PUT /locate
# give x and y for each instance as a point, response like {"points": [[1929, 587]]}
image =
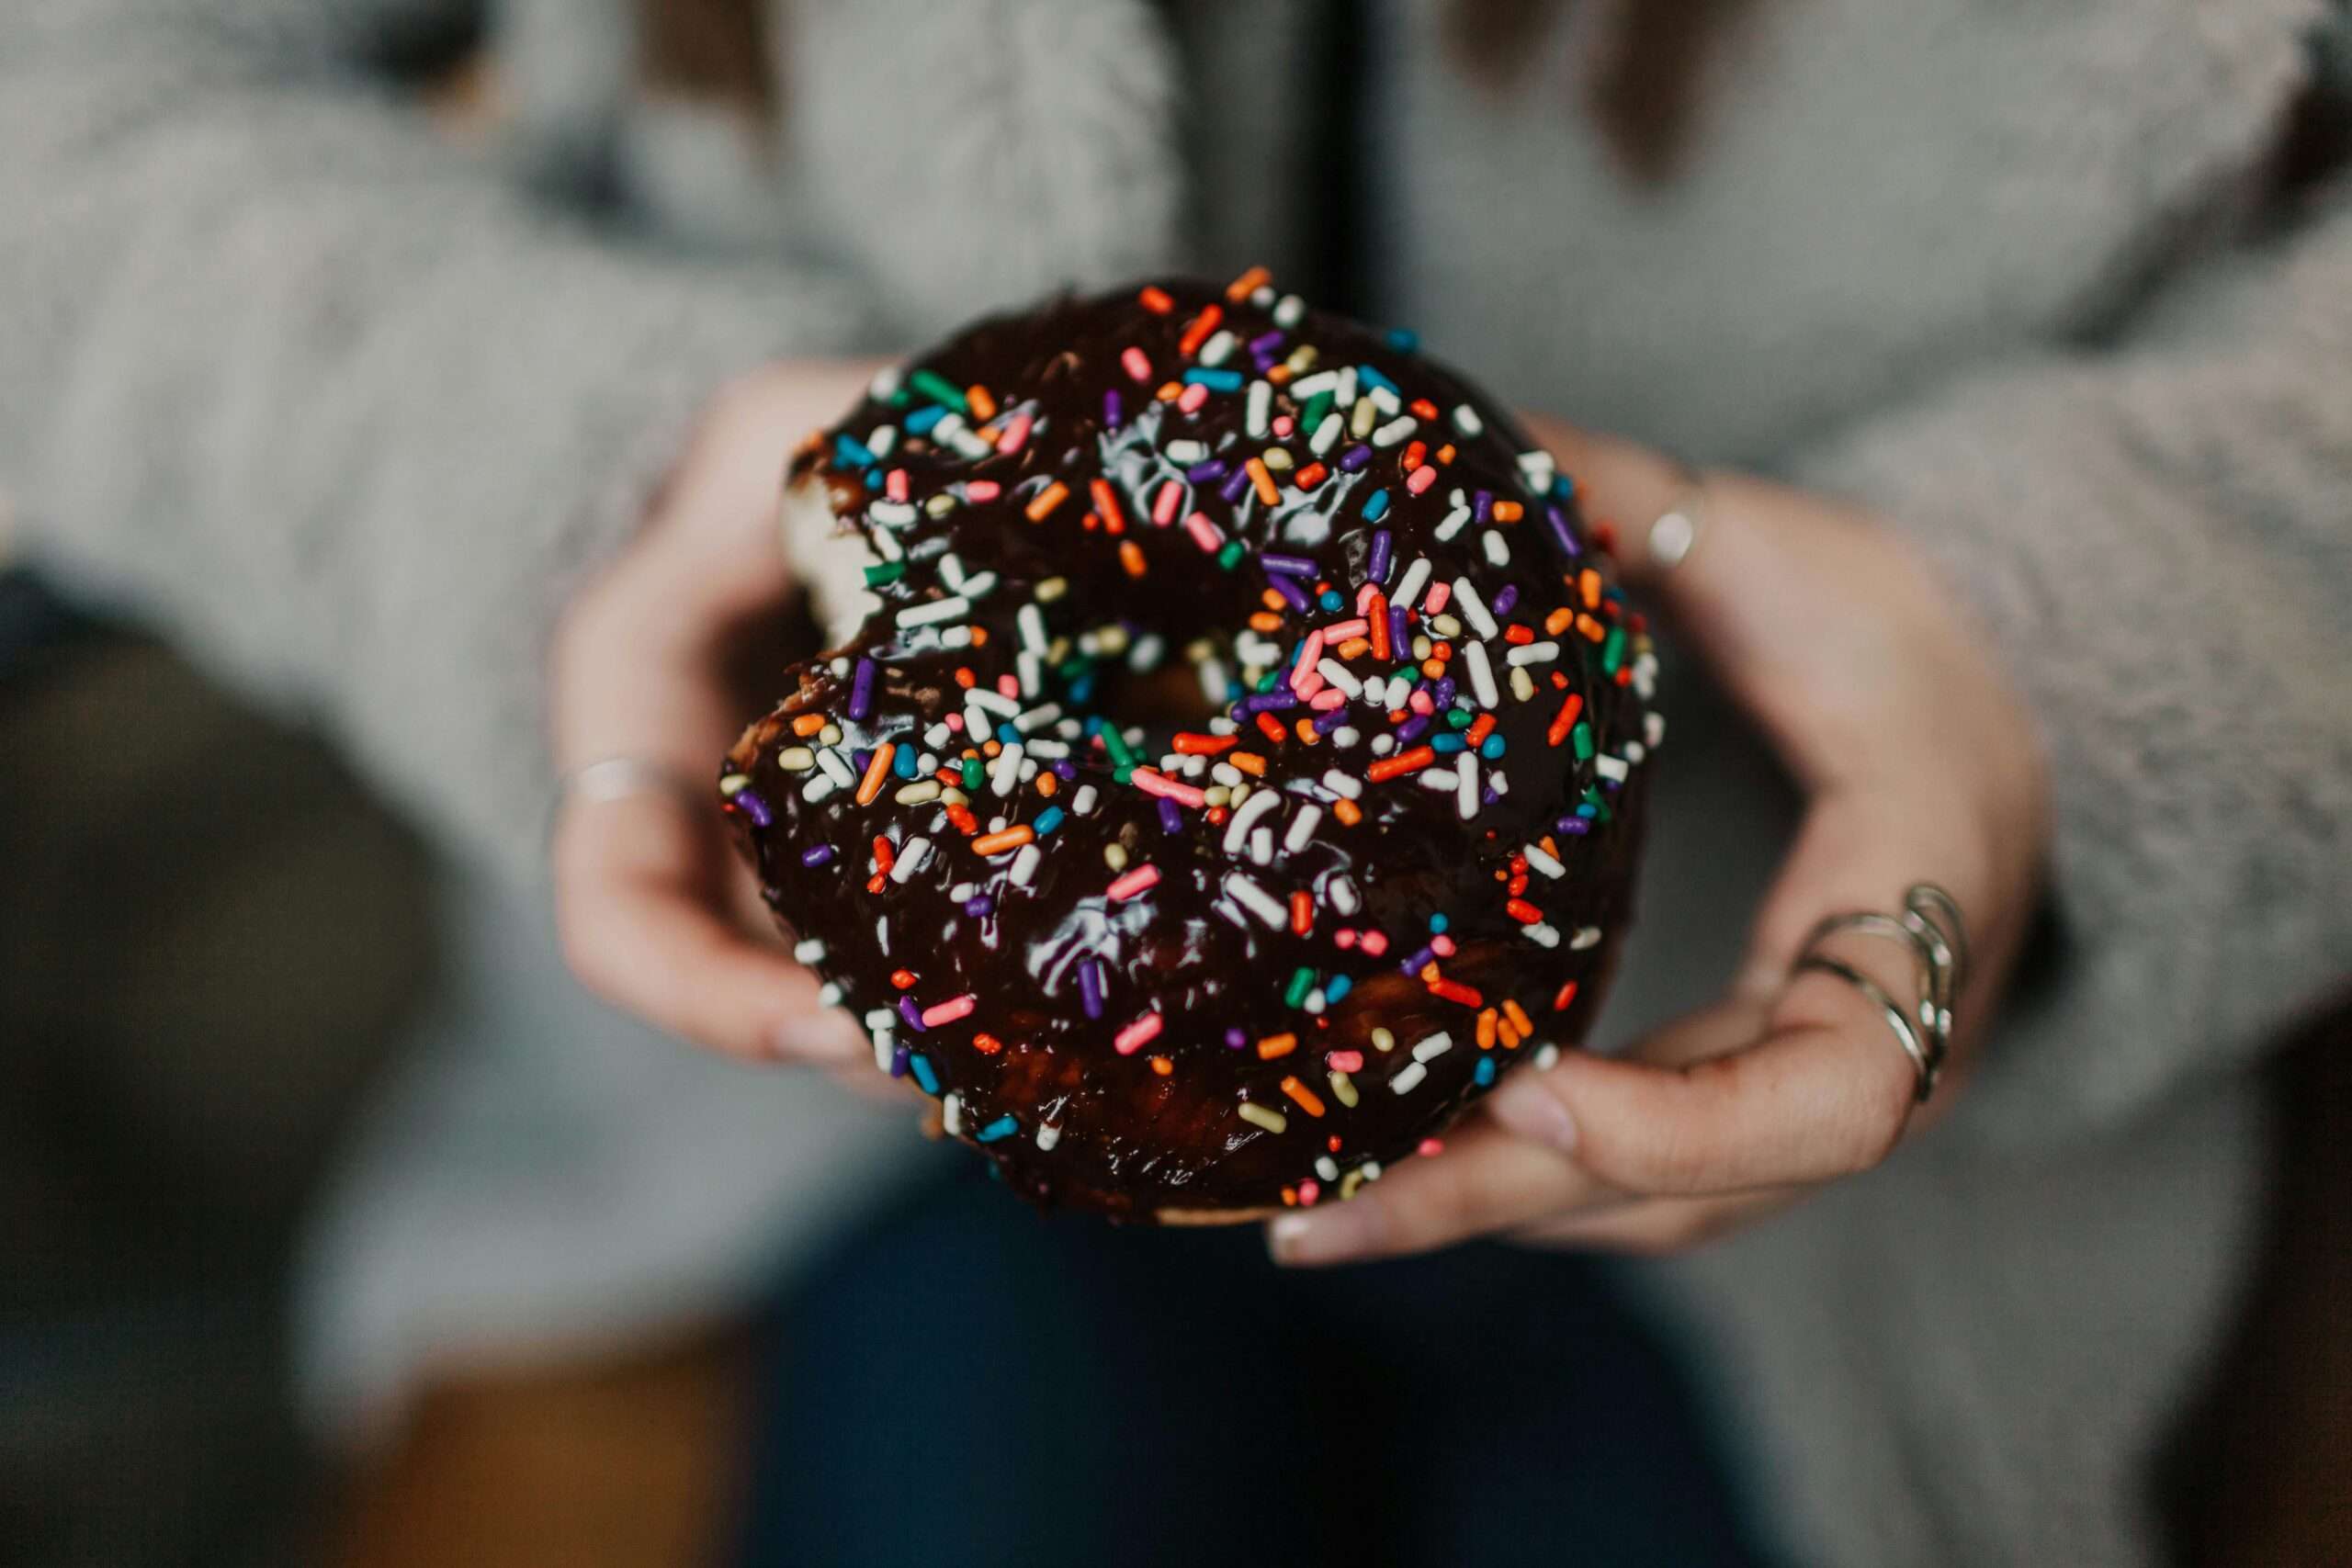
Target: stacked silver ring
{"points": [[1930, 928]]}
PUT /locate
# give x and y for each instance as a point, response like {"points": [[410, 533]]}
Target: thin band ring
{"points": [[1927, 1063], [1931, 929], [618, 778]]}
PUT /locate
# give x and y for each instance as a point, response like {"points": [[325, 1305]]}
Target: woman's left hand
{"points": [[1918, 764]]}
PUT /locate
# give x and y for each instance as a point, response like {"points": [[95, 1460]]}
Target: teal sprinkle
{"points": [[1006, 734], [1580, 742], [888, 571], [920, 422], [1588, 810], [938, 390], [1339, 985], [1438, 924], [852, 453], [1215, 381], [1484, 1072], [1446, 745], [1229, 555], [903, 762], [1332, 599], [920, 1067], [1372, 378], [1404, 341], [1002, 1127], [1049, 820], [1376, 507], [1491, 748], [1301, 982]]}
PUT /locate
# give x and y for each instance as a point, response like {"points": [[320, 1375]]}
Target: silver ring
{"points": [[1931, 930], [618, 778]]}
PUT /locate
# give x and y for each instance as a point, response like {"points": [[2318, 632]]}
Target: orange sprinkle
{"points": [[1566, 719], [1347, 812], [1403, 762], [1558, 621], [1271, 600], [965, 678], [965, 823], [1265, 621], [1422, 407], [1589, 585], [1303, 1097], [1445, 455], [1249, 762], [1275, 1045], [1271, 727], [1045, 501], [1353, 648], [983, 405], [1590, 629], [1517, 1016], [1487, 1020], [987, 1044], [1263, 480], [1162, 1066], [1508, 511], [1302, 913], [1376, 613], [1248, 283], [1047, 782], [1509, 1034], [1454, 991], [807, 723], [1196, 331], [1000, 843], [979, 636], [1131, 556], [878, 770], [1192, 743], [1304, 728], [1155, 299], [1106, 501]]}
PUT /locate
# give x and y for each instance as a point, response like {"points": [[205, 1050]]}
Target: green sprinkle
{"points": [[1301, 982], [888, 571], [1457, 718], [1613, 650], [940, 389], [1581, 741], [1123, 772], [1117, 747], [1310, 419], [973, 773], [1228, 556]]}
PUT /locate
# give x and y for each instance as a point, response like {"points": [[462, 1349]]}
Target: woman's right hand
{"points": [[657, 912]]}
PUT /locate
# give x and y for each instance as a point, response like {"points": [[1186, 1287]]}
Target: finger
{"points": [[1486, 1180], [1652, 1227], [640, 926]]}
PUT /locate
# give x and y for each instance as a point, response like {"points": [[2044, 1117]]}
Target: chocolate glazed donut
{"points": [[1239, 766]]}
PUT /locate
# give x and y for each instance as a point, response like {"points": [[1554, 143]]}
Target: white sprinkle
{"points": [[1497, 550], [1585, 937], [1048, 1135], [809, 949], [1384, 399], [1038, 717], [829, 995], [1344, 394], [911, 859], [1654, 728], [1533, 653], [1395, 429], [1346, 786], [1429, 1048], [1327, 1167], [1466, 420], [885, 384], [1409, 586], [1257, 901], [1482, 675], [1032, 672], [993, 701], [954, 607], [1215, 352], [1262, 846], [1466, 799], [1331, 669], [1474, 607], [1543, 862], [1026, 863], [1345, 737], [1612, 768], [886, 545], [1407, 1081], [1083, 801], [884, 1045], [1307, 387], [1302, 826], [1238, 825], [836, 767], [1005, 771], [1547, 1057], [1261, 398], [1542, 934], [817, 787], [1342, 893], [1453, 523], [1288, 311], [1186, 452], [1326, 434], [890, 512], [980, 585], [937, 736], [951, 571], [950, 1113]]}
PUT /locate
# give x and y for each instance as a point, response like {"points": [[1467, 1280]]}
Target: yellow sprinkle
{"points": [[1271, 1121], [1344, 1089]]}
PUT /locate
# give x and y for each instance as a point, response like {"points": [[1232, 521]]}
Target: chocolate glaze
{"points": [[1132, 1134]]}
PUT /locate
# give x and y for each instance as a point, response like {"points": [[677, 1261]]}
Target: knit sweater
{"points": [[349, 409]]}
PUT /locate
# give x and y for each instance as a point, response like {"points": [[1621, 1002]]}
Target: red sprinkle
{"points": [[1403, 762]]}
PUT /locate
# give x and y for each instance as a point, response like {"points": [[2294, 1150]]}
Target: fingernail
{"points": [[1308, 1239], [829, 1036], [1534, 1112]]}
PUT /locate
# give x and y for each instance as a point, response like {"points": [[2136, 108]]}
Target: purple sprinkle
{"points": [[858, 758], [1065, 770], [1235, 1039], [1289, 590], [1505, 598], [1560, 533], [1443, 693], [1090, 986], [1276, 701], [1263, 360], [1354, 458], [1236, 484], [1266, 343], [980, 905], [1482, 506], [1171, 818], [1330, 719], [817, 854], [1293, 565], [1573, 826], [1487, 796], [861, 690], [1381, 548], [912, 1013], [1112, 409], [1412, 965], [1202, 473], [756, 809], [1395, 626], [1412, 729]]}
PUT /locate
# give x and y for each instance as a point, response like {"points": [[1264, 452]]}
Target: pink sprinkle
{"points": [[1305, 679], [1190, 399], [895, 486], [1420, 479], [1308, 1191], [948, 1011], [1346, 1061], [1442, 945], [1327, 699], [1419, 703], [1016, 433], [1134, 882], [1138, 366], [1205, 533], [1340, 631], [1434, 600], [954, 721], [1345, 936], [1375, 942], [1430, 1147], [1134, 1037], [1164, 505], [1284, 425], [1008, 685], [1363, 598], [1152, 782]]}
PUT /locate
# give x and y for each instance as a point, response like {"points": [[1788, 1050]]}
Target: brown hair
{"points": [[1643, 91]]}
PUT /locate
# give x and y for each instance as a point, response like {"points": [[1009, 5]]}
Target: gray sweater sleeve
{"points": [[2159, 540], [325, 397]]}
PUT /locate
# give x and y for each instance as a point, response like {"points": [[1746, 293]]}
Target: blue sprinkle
{"points": [[1006, 733], [1049, 820], [1215, 381], [1447, 744], [1484, 1072], [1491, 748], [1437, 923], [851, 453], [1372, 378], [899, 1061], [923, 1075], [920, 422], [1337, 986], [1330, 599], [1002, 1127], [1404, 340], [1377, 507], [903, 762]]}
